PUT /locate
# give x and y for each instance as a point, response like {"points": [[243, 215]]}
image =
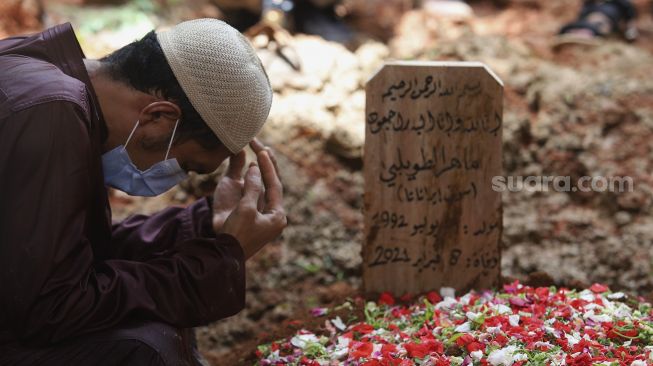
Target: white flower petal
{"points": [[513, 320], [520, 357], [447, 303], [465, 299], [573, 339], [343, 342], [587, 295], [473, 316], [302, 340], [338, 323], [503, 309], [464, 327], [503, 356], [494, 330], [477, 355], [616, 296], [543, 344], [339, 353], [598, 318]]}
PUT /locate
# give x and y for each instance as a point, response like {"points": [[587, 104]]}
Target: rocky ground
{"points": [[575, 111]]}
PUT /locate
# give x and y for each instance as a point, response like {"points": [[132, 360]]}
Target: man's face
{"points": [[193, 157], [190, 155], [159, 122]]}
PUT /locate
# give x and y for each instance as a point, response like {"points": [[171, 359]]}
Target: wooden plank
{"points": [[433, 144]]}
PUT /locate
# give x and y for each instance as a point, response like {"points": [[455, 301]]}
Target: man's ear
{"points": [[158, 112], [157, 120]]}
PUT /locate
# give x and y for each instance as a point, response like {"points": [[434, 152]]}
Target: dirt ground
{"points": [[575, 111]]}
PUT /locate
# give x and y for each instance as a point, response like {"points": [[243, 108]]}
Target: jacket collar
{"points": [[67, 54]]}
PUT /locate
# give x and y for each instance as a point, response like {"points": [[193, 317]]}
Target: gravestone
{"points": [[432, 147]]}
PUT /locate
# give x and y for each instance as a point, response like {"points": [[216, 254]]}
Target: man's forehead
{"points": [[194, 157]]}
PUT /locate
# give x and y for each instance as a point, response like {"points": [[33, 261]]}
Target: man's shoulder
{"points": [[26, 82]]}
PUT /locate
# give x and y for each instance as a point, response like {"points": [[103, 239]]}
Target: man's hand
{"points": [[258, 147], [229, 191], [258, 217]]}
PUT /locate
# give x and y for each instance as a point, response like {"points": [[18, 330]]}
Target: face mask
{"points": [[122, 174]]}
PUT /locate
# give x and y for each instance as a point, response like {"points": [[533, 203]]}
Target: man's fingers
{"points": [[256, 146], [253, 187], [273, 187], [274, 159], [236, 164]]}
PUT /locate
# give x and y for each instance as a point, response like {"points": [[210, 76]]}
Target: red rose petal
{"points": [[388, 349], [386, 299], [598, 288], [363, 328], [475, 346], [416, 350], [465, 339], [361, 349], [433, 297]]}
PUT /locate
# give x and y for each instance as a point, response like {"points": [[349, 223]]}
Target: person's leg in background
{"points": [[319, 17], [601, 19]]}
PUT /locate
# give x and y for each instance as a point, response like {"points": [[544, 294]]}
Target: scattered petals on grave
{"points": [[518, 326]]}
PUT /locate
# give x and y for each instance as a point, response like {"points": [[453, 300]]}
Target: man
{"points": [[76, 290]]}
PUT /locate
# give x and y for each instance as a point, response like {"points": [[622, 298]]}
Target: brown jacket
{"points": [[64, 269]]}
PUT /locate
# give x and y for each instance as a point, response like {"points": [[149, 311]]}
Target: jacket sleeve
{"points": [[52, 286], [139, 237]]}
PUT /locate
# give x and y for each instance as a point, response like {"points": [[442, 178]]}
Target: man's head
{"points": [[202, 73]]}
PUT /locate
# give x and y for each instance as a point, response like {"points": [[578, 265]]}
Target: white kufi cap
{"points": [[222, 77]]}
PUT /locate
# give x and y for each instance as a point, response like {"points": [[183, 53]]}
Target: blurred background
{"points": [[571, 109]]}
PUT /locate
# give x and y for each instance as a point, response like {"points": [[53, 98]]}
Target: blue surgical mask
{"points": [[122, 174]]}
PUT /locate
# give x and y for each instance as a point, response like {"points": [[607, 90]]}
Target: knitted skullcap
{"points": [[223, 78]]}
